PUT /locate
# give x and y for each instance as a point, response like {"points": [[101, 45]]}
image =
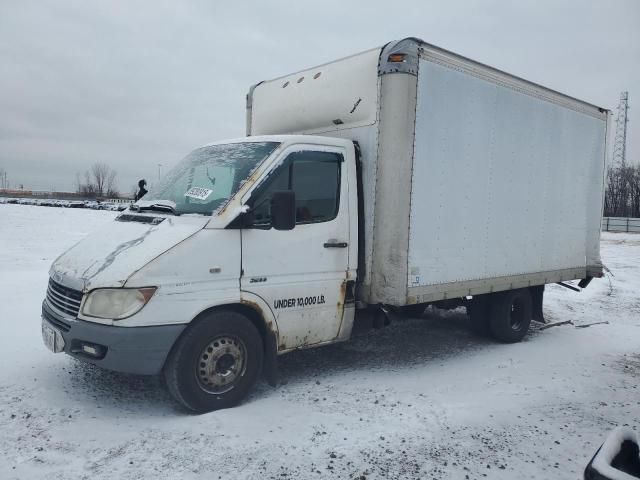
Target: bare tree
{"points": [[622, 196], [86, 188], [111, 186], [634, 192], [99, 181], [103, 178]]}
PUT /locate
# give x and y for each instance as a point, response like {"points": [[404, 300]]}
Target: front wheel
{"points": [[215, 362]]}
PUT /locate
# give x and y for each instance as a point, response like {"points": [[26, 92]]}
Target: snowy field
{"points": [[422, 398]]}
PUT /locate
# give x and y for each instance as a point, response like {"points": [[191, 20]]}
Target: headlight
{"points": [[116, 303]]}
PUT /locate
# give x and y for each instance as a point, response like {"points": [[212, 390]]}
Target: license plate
{"points": [[52, 338]]}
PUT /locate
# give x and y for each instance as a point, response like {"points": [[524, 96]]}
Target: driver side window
{"points": [[315, 179]]}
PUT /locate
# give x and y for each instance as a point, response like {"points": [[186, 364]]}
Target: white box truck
{"points": [[399, 177]]}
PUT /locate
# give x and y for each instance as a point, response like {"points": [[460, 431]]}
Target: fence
{"points": [[621, 224]]}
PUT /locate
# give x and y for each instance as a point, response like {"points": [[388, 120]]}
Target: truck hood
{"points": [[110, 255]]}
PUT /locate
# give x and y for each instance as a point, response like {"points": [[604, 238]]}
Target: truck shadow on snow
{"points": [[405, 344]]}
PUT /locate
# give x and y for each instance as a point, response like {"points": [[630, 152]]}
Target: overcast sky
{"points": [[141, 83]]}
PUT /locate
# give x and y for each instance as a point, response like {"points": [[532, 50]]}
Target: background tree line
{"points": [[622, 195], [98, 181]]}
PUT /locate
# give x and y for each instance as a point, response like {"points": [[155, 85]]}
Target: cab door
{"points": [[301, 273]]}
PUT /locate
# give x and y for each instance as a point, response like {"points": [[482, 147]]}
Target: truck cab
{"points": [[262, 229]]}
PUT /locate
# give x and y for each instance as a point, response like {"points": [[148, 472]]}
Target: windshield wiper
{"points": [[158, 207]]}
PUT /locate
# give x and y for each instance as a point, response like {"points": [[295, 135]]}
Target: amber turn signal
{"points": [[397, 57]]}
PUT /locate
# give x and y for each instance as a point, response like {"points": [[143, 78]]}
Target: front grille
{"points": [[65, 299]]}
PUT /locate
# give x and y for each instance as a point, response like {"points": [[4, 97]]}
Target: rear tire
{"points": [[215, 363], [510, 315]]}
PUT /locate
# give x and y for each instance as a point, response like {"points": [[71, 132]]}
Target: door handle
{"points": [[334, 244]]}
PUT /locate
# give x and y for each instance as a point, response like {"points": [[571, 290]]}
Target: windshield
{"points": [[209, 176]]}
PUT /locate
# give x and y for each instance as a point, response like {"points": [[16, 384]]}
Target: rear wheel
{"points": [[510, 315], [215, 363]]}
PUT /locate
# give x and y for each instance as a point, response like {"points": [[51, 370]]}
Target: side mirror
{"points": [[283, 210]]}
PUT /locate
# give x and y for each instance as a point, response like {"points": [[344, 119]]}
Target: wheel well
{"points": [[251, 313], [256, 318], [269, 339]]}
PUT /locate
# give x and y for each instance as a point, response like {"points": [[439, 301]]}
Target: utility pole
{"points": [[620, 140]]}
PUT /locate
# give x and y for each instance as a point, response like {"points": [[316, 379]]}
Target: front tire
{"points": [[510, 314], [215, 363]]}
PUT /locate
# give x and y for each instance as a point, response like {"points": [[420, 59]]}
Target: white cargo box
{"points": [[474, 180]]}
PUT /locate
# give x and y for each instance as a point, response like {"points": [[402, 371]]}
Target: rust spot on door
{"points": [[341, 297]]}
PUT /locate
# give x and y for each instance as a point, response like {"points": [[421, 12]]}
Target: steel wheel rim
{"points": [[221, 363]]}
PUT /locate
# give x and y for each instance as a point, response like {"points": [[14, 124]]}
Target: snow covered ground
{"points": [[422, 398]]}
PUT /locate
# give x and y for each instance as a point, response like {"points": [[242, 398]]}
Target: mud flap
{"points": [[381, 317], [537, 293], [584, 283], [270, 367]]}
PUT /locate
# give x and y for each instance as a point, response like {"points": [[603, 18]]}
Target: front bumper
{"points": [[138, 350]]}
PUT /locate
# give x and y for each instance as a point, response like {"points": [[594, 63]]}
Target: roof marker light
{"points": [[397, 57]]}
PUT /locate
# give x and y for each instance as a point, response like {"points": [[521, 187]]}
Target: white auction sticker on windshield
{"points": [[198, 193]]}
